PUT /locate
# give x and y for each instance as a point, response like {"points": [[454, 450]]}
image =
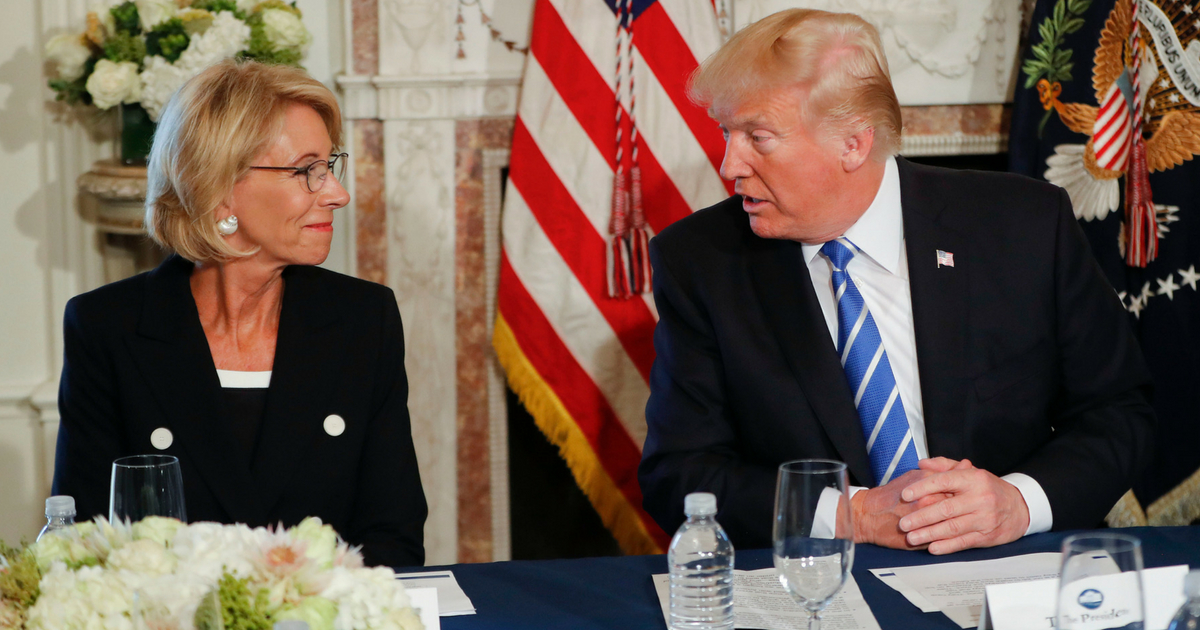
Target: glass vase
{"points": [[137, 133]]}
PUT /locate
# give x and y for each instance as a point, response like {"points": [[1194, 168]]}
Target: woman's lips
{"points": [[320, 227]]}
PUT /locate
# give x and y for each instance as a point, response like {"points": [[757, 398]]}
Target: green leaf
{"points": [[1078, 7], [168, 40], [1045, 30], [1031, 81], [1061, 56], [1042, 52], [124, 46], [125, 17], [1072, 25], [1060, 11]]}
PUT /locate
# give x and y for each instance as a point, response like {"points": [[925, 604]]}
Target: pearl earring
{"points": [[228, 225]]}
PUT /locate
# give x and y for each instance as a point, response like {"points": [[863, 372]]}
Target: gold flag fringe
{"points": [[552, 418]]}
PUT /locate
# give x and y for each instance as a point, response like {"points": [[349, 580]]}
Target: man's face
{"points": [[789, 175]]}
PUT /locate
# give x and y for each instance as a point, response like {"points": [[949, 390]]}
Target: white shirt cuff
{"points": [[1041, 519], [825, 520]]}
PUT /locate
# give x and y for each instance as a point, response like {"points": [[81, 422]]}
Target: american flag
{"points": [[1112, 132], [579, 359], [945, 259]]}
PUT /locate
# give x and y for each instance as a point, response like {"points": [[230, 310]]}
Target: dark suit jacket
{"points": [[136, 359], [1025, 356]]}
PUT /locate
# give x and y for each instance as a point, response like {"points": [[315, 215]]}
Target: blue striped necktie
{"points": [[876, 396]]}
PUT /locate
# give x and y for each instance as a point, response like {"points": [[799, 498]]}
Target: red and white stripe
{"points": [[1112, 131], [591, 351]]}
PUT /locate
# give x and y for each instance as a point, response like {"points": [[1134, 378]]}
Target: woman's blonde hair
{"points": [[208, 135], [835, 59]]}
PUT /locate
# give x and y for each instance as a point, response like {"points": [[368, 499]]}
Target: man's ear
{"points": [[856, 149]]}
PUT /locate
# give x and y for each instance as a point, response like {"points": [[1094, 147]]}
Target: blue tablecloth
{"points": [[617, 594]]}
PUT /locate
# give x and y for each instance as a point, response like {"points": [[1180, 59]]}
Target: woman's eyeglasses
{"points": [[316, 173]]}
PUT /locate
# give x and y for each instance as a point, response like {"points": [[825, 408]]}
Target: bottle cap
{"points": [[291, 624], [1191, 584], [700, 504], [60, 506]]}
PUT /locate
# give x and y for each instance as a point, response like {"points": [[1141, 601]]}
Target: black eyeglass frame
{"points": [[330, 165]]}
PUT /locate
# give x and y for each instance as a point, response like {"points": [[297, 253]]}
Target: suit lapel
{"points": [[306, 356], [174, 359], [939, 302], [790, 306]]}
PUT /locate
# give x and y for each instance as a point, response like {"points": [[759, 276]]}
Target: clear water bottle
{"points": [[701, 563], [60, 514], [1188, 617]]}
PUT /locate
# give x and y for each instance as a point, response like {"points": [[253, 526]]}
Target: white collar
{"points": [[879, 232]]}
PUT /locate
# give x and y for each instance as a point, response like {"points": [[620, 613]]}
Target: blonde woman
{"points": [[280, 386]]}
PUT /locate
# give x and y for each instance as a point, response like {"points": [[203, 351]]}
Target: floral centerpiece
{"points": [[136, 53], [160, 574]]}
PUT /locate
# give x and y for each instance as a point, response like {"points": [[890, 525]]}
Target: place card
{"points": [[425, 600], [451, 598], [1026, 605]]}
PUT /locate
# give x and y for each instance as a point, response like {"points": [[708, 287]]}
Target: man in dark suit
{"points": [[946, 334]]}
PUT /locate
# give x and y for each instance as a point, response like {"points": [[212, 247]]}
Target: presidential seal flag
{"points": [[1108, 107], [607, 151]]}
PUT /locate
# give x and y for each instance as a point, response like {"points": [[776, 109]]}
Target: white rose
{"points": [[322, 540], [69, 53], [284, 30], [153, 12], [112, 83], [144, 557], [157, 528], [103, 10]]}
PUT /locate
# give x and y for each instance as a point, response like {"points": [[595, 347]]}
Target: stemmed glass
{"points": [[1101, 583], [146, 485], [813, 534]]}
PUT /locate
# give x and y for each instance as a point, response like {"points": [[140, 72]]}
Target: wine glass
{"points": [[146, 485], [813, 534], [1101, 582]]}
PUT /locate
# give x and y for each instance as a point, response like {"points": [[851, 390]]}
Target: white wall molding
{"points": [[953, 144], [432, 97]]}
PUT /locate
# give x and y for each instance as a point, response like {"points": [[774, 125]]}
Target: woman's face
{"points": [[275, 210]]}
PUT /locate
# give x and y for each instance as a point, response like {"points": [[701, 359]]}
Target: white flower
{"points": [[225, 38], [112, 83], [153, 12], [247, 6], [366, 598], [160, 79], [322, 540], [103, 11], [69, 53], [284, 30], [145, 557], [157, 528]]}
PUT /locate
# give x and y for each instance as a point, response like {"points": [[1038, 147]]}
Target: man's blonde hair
{"points": [[835, 59], [208, 135]]}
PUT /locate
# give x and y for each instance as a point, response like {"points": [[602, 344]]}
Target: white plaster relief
{"points": [[493, 161], [430, 98], [416, 37], [939, 51], [419, 158]]}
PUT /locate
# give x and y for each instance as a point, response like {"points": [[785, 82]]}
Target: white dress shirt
{"points": [[880, 271]]}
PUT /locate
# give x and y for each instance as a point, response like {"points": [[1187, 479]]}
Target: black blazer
{"points": [[136, 359], [1026, 359]]}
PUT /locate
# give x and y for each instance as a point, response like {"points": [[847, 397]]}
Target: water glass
{"points": [[813, 548], [146, 485], [1101, 583]]}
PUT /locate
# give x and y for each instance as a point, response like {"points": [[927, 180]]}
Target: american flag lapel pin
{"points": [[945, 259]]}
